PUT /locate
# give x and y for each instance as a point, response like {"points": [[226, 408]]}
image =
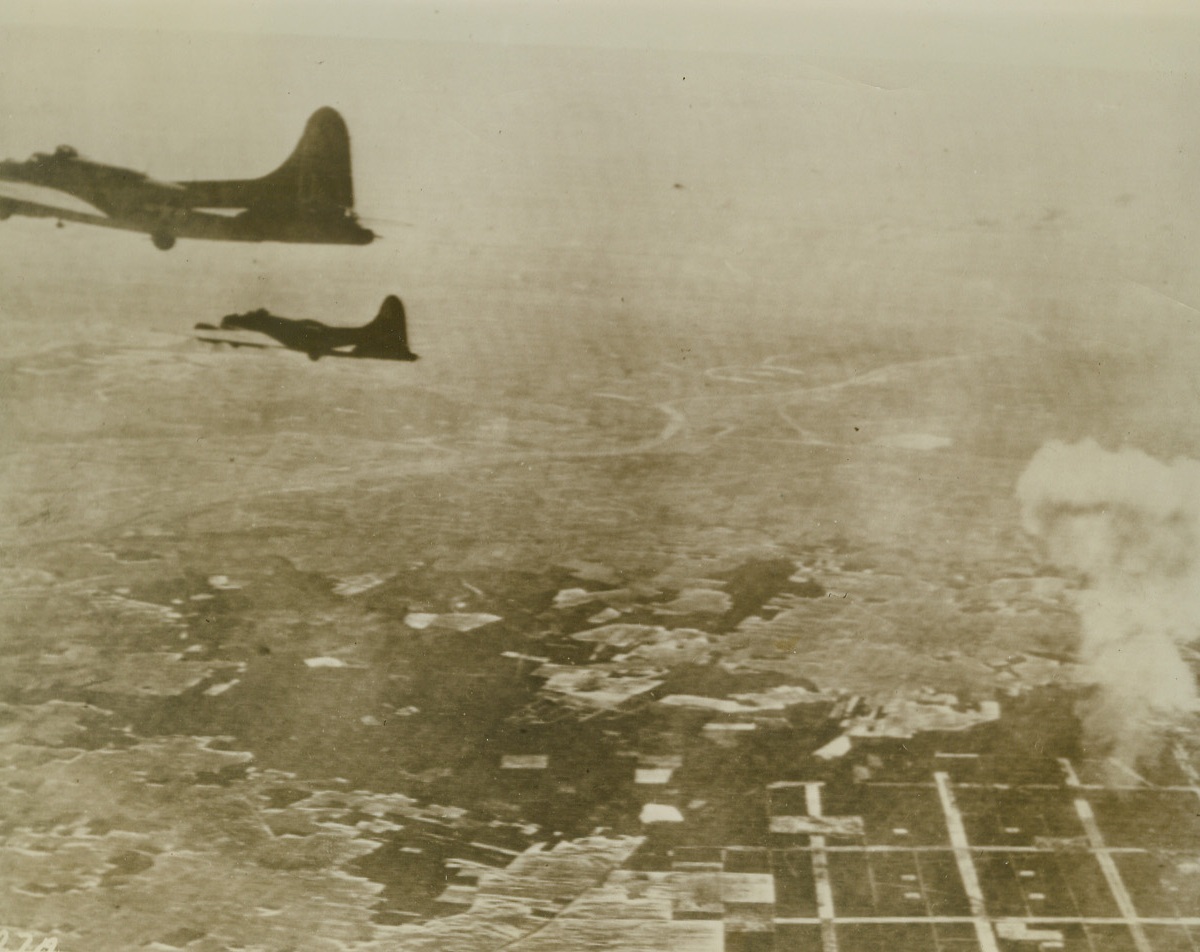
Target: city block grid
{"points": [[956, 852]]}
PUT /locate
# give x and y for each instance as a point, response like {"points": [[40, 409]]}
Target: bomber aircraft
{"points": [[309, 198], [385, 338]]}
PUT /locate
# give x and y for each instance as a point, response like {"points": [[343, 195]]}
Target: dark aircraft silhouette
{"points": [[385, 338], [310, 198]]}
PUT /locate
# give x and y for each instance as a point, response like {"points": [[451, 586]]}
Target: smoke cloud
{"points": [[1130, 525]]}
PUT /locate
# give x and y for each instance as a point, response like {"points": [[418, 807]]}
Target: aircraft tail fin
{"points": [[318, 170], [316, 174], [387, 334]]}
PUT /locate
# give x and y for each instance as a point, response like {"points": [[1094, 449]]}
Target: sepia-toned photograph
{"points": [[599, 476]]}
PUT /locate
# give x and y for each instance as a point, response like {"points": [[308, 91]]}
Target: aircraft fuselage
{"points": [[309, 336], [308, 199], [384, 338]]}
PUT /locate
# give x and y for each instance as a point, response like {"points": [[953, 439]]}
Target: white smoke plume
{"points": [[1130, 525]]}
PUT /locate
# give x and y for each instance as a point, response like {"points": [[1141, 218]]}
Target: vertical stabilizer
{"points": [[315, 177], [387, 335], [318, 170]]}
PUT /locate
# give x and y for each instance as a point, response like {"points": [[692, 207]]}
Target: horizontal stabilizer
{"points": [[316, 175]]}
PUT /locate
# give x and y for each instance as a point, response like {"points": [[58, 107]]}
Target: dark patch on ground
{"points": [[181, 937], [752, 585], [126, 863]]}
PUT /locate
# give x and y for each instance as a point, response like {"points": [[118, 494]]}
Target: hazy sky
{"points": [[706, 24]]}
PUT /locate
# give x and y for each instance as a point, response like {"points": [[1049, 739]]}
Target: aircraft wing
{"points": [[254, 345], [17, 206], [241, 343]]}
